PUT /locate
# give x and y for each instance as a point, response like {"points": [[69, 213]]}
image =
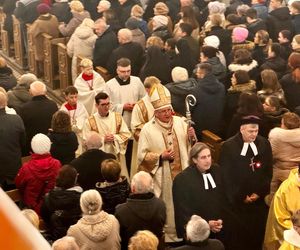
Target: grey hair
{"points": [[65, 243], [93, 141], [38, 88], [27, 79], [90, 202], [195, 150], [125, 34], [197, 229], [142, 183], [105, 4]]}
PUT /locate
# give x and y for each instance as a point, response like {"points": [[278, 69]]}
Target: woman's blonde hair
{"points": [[76, 6], [32, 216], [85, 62], [143, 240]]}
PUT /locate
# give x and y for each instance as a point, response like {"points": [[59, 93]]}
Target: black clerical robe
{"points": [[242, 176], [190, 197]]}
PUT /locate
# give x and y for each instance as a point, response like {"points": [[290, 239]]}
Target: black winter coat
{"points": [[37, 116], [88, 167], [7, 79], [278, 20], [104, 46], [60, 210], [64, 146]]}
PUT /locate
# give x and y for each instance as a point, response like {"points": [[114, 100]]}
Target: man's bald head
{"points": [[38, 88], [124, 36], [93, 141]]}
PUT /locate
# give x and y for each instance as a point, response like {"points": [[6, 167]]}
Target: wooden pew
{"points": [[104, 73], [214, 142], [51, 64], [14, 195], [5, 42], [18, 44], [32, 63], [64, 64]]}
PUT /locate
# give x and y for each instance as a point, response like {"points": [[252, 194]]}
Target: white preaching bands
{"points": [[246, 147], [208, 178]]}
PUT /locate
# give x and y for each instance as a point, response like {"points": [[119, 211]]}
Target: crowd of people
{"points": [[120, 164]]}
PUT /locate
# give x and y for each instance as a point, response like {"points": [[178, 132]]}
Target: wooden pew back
{"points": [[214, 142]]}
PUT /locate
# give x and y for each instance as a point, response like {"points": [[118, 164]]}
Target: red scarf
{"points": [[87, 77], [69, 107]]}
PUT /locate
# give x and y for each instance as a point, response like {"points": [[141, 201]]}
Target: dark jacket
{"points": [[8, 8], [113, 194], [286, 50], [62, 11], [63, 146], [277, 64], [37, 116], [277, 20], [12, 138], [141, 212], [18, 96], [179, 91], [291, 91], [151, 67], [104, 46], [88, 167], [208, 112], [260, 54], [7, 79], [162, 32], [296, 24], [60, 210], [254, 27], [224, 36], [272, 120], [133, 51], [262, 10], [26, 10], [218, 69], [123, 11], [194, 46]]}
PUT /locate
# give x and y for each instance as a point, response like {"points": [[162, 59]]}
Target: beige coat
{"points": [[44, 24], [98, 231]]}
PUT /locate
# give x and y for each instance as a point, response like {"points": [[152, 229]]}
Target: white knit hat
{"points": [[179, 74], [212, 41], [40, 144]]}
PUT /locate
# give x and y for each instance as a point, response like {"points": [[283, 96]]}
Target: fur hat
{"points": [[90, 202], [159, 21], [216, 7], [179, 74], [240, 34], [212, 41], [43, 8], [161, 9], [40, 144]]}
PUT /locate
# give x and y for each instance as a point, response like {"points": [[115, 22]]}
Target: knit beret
{"points": [[240, 34], [43, 8], [212, 41], [40, 144]]}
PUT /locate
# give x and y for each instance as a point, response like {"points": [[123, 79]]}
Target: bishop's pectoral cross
{"points": [[252, 164]]}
